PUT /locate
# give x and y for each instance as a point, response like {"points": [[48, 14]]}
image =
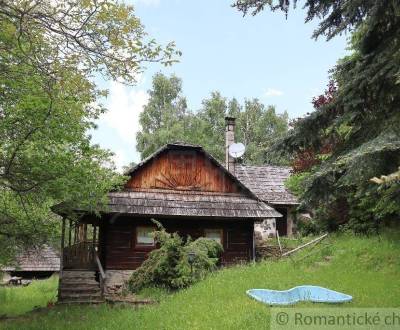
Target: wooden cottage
{"points": [[184, 188]]}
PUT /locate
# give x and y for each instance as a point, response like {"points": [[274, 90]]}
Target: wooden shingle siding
{"points": [[182, 170]]}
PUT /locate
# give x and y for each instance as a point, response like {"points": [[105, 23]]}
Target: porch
{"points": [[82, 275]]}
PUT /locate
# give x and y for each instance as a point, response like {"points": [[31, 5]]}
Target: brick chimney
{"points": [[229, 139]]}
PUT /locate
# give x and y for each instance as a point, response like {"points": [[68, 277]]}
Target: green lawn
{"points": [[18, 300], [366, 268]]}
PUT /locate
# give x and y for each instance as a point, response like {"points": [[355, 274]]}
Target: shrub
{"points": [[308, 227], [169, 267]]}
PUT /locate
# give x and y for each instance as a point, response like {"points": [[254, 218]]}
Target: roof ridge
{"points": [[266, 165]]}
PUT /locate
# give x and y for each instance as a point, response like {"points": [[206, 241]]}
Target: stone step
{"points": [[69, 302]]}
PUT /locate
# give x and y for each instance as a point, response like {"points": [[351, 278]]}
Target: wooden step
{"points": [[73, 283], [78, 273], [79, 286], [67, 291], [81, 296]]}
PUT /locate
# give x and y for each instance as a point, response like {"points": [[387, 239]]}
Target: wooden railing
{"points": [[102, 275], [80, 256]]}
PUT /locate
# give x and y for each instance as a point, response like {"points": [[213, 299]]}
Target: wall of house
{"points": [[120, 250], [121, 254]]}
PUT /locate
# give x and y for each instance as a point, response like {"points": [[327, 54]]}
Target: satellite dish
{"points": [[236, 150]]}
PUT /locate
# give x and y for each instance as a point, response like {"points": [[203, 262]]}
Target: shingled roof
{"points": [[267, 182], [188, 203], [36, 259]]}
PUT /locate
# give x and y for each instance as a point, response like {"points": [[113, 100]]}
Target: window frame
{"points": [[144, 245], [220, 230]]}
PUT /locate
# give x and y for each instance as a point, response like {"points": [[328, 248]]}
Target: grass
{"points": [[19, 300], [292, 242], [366, 268]]}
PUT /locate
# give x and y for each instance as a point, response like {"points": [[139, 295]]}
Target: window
{"points": [[144, 236], [214, 234]]}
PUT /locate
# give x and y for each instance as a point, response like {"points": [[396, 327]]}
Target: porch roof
{"points": [[188, 203]]}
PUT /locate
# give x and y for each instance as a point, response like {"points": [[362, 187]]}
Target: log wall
{"points": [[122, 252]]}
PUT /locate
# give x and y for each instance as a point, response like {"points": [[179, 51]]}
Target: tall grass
{"points": [[18, 299], [366, 268]]}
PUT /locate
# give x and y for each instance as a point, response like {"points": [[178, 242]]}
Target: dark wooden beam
{"points": [[70, 232], [62, 256]]}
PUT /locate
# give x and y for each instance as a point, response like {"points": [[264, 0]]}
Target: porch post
{"points": [[61, 257], [254, 245], [94, 236], [289, 221], [70, 232]]}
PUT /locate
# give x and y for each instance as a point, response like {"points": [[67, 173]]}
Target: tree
{"points": [[163, 118], [360, 122], [49, 51], [92, 36], [259, 127], [337, 16], [166, 119], [210, 125]]}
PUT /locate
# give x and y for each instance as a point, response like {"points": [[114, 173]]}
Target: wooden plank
{"points": [[62, 256], [182, 170], [122, 234], [315, 241], [69, 232], [279, 241]]}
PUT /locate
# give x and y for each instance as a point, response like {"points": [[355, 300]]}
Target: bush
{"points": [[308, 227], [169, 267]]}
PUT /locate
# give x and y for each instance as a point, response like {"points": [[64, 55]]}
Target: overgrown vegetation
{"points": [[366, 268], [169, 266], [353, 134]]}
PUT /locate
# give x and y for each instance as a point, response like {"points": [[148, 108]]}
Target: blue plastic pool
{"points": [[299, 293]]}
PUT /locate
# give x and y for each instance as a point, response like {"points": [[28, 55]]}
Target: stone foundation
{"points": [[115, 280], [265, 229]]}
